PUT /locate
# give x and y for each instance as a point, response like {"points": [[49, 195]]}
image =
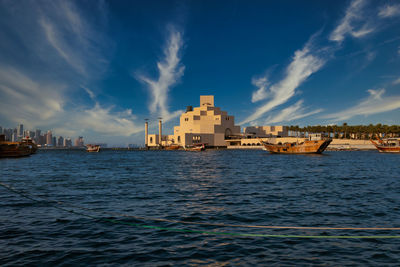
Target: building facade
{"points": [[266, 131], [204, 124]]}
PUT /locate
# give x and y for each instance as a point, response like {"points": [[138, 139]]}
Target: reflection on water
{"points": [[218, 186]]}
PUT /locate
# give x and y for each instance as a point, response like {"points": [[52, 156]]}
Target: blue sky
{"points": [[99, 68]]}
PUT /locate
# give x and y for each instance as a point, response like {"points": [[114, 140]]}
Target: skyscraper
{"points": [[67, 142], [79, 141], [49, 138], [60, 141], [21, 130], [37, 136]]}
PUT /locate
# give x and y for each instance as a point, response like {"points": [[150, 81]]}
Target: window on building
{"points": [[151, 140], [186, 119], [196, 138], [203, 113], [179, 139]]}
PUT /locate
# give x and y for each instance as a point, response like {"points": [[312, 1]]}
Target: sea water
{"points": [[155, 208]]}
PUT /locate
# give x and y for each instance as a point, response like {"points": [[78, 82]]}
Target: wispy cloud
{"points": [[375, 103], [262, 84], [25, 100], [397, 81], [353, 23], [64, 52], [73, 38], [108, 122], [388, 11], [303, 65], [294, 112], [170, 72]]}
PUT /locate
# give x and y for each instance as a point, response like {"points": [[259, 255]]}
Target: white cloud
{"points": [[294, 112], [303, 65], [353, 23], [397, 81], [262, 84], [89, 92], [25, 100], [388, 11], [375, 103], [68, 31], [105, 121], [65, 52], [170, 72]]}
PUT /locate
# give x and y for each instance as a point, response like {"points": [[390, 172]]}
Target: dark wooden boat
{"points": [[391, 145], [305, 147], [17, 149], [172, 147], [92, 148], [196, 147]]}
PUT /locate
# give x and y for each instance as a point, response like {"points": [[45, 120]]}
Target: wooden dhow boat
{"points": [[196, 147], [92, 148], [172, 147], [17, 149], [391, 145], [311, 146]]}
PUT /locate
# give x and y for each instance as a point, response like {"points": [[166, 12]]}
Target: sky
{"points": [[98, 69]]}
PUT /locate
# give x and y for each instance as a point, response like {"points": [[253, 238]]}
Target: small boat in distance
{"points": [[172, 147], [315, 145], [390, 145], [196, 147], [92, 148], [17, 149]]}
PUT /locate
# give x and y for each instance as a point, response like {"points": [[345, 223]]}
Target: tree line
{"points": [[348, 131]]}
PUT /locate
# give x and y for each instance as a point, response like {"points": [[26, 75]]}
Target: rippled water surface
{"points": [[336, 189]]}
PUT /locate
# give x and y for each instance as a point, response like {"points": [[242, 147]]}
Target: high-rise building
{"points": [[21, 130], [1, 130], [60, 141], [42, 139], [49, 138], [14, 137], [67, 142], [8, 133], [54, 141], [79, 141], [37, 136]]}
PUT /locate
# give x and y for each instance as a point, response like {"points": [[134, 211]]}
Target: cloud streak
{"points": [[294, 112], [389, 11], [65, 52], [304, 64], [26, 100], [375, 103], [262, 84], [170, 71], [353, 23]]}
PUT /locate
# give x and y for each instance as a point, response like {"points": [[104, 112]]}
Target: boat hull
{"points": [[92, 148], [307, 147], [172, 147], [382, 148], [16, 149]]}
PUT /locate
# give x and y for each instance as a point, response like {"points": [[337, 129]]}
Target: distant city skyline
{"points": [[46, 139], [98, 69]]}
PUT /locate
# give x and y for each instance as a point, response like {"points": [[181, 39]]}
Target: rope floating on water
{"points": [[58, 203]]}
